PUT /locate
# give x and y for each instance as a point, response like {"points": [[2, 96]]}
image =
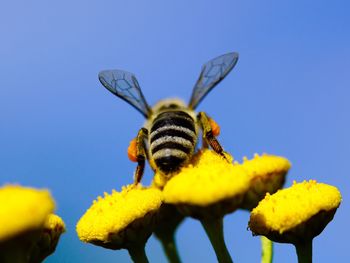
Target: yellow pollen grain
{"points": [[290, 207], [208, 180], [23, 209], [114, 212]]}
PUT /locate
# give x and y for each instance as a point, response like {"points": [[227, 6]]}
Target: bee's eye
{"points": [[169, 106], [173, 106]]}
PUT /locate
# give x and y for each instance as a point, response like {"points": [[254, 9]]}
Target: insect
{"points": [[169, 136]]}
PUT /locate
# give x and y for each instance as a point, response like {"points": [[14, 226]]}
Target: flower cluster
{"points": [[207, 189]]}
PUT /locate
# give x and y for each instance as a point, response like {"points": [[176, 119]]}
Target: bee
{"points": [[170, 134]]}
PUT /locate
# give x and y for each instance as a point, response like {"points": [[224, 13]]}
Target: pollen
{"points": [[106, 221], [304, 207], [132, 150], [215, 127], [208, 180], [23, 209]]}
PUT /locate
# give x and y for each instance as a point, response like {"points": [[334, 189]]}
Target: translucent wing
{"points": [[124, 85], [212, 73]]}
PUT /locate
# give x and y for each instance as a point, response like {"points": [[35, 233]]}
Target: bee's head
{"points": [[168, 105]]}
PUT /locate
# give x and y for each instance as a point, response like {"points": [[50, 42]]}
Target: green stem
{"points": [[169, 220], [13, 258], [215, 233], [266, 250], [169, 247], [138, 254], [304, 251]]}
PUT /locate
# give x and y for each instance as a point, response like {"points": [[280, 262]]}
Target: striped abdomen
{"points": [[172, 140]]}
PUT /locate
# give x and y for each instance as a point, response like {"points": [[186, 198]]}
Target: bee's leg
{"points": [[205, 145], [210, 130], [140, 154]]}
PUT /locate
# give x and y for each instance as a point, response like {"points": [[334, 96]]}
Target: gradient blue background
{"points": [[288, 95]]}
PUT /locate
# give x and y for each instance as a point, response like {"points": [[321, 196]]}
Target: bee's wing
{"points": [[124, 85], [212, 73]]}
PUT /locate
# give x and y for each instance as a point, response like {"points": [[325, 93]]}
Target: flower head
{"points": [[120, 219], [299, 212], [210, 186], [28, 232], [267, 174], [23, 209], [49, 236]]}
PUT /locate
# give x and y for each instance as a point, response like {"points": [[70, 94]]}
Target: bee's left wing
{"points": [[212, 73], [124, 85]]}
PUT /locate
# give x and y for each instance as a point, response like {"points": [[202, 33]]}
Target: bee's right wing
{"points": [[212, 73], [124, 85]]}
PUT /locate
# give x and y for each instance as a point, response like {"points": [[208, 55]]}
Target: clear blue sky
{"points": [[288, 95]]}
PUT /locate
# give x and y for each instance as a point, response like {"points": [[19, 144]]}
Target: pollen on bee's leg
{"points": [[132, 150], [214, 127]]}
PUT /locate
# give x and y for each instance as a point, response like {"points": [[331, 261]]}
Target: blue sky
{"points": [[288, 95]]}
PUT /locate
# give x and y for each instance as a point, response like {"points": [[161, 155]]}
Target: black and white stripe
{"points": [[172, 140]]}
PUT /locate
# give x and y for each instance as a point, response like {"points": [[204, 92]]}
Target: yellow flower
{"points": [[23, 209], [204, 157], [122, 218], [49, 236], [28, 230], [267, 174], [299, 212], [210, 186]]}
